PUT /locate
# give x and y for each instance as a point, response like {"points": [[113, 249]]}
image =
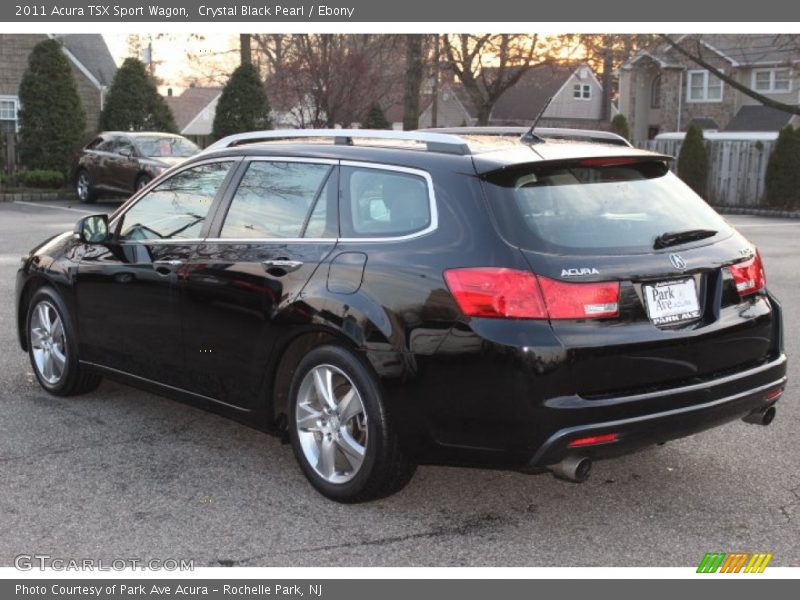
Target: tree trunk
{"points": [[484, 112], [435, 90], [608, 68], [414, 68], [245, 55]]}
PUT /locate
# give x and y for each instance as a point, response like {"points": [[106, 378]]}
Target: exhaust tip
{"points": [[573, 468], [761, 417]]}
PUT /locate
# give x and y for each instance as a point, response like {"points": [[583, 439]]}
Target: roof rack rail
{"points": [[434, 142], [554, 133]]}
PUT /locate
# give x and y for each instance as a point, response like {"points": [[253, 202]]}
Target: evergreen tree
{"points": [[783, 170], [376, 119], [52, 120], [243, 104], [693, 160], [133, 102], [619, 125]]}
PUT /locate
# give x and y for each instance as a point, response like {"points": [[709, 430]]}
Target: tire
{"points": [[142, 181], [83, 187], [52, 347], [364, 460]]}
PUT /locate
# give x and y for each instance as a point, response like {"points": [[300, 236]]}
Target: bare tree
{"points": [[606, 52], [695, 51], [414, 72], [487, 65]]}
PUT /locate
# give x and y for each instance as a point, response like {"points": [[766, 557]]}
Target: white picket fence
{"points": [[736, 169]]}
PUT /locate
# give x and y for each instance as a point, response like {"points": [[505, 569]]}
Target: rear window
{"points": [[586, 207]]}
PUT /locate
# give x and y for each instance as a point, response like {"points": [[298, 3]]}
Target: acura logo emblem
{"points": [[677, 261]]}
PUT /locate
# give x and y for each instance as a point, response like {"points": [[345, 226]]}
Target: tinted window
{"points": [[165, 146], [124, 146], [380, 203], [274, 200], [104, 145], [582, 209], [177, 208]]}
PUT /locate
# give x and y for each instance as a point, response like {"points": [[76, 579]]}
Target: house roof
{"points": [[91, 51], [738, 49], [759, 118], [190, 103], [703, 123]]}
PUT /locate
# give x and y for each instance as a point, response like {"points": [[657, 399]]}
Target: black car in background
{"points": [[416, 298], [118, 162]]}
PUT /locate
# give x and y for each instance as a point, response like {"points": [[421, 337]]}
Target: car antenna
{"points": [[529, 137]]}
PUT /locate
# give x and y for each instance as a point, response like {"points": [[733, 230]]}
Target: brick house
{"points": [[576, 93], [92, 65], [661, 90]]}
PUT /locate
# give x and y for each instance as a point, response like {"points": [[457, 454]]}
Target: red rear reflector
{"points": [[594, 439], [749, 275], [771, 395], [508, 293]]}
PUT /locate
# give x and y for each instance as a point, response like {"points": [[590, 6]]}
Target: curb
{"points": [[757, 212], [34, 196]]}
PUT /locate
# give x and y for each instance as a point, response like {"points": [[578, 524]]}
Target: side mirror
{"points": [[126, 152], [92, 229]]}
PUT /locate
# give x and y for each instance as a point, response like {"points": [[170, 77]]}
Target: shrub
{"points": [[42, 178], [376, 118], [243, 104], [51, 119], [782, 183], [693, 160], [619, 125], [133, 102]]}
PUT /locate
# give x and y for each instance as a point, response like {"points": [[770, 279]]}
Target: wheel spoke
{"points": [[37, 336], [323, 382], [349, 406], [44, 316], [326, 464], [47, 367], [308, 421], [58, 329], [351, 449], [59, 359]]}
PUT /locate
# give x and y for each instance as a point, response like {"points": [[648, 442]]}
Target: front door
{"points": [[128, 291], [281, 223]]}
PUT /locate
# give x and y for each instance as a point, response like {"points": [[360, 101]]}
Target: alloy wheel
{"points": [[82, 186], [48, 343], [331, 424]]}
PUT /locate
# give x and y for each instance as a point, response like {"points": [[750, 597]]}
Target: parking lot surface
{"points": [[121, 473]]}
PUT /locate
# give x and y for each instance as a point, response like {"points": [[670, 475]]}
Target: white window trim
{"points": [[772, 77], [15, 100], [706, 76], [583, 86]]}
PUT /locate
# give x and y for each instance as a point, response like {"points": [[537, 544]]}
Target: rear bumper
{"points": [[734, 396]]}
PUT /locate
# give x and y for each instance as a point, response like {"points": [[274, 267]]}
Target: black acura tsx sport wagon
{"points": [[384, 299]]}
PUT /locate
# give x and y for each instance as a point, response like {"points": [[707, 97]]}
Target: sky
{"points": [[181, 58]]}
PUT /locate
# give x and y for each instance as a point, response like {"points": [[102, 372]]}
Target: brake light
{"points": [[609, 161], [749, 276], [605, 438], [508, 293]]}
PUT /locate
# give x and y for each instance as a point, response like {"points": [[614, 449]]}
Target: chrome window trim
{"points": [[432, 226]]}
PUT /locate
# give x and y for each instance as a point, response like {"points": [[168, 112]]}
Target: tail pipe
{"points": [[573, 468], [762, 416]]}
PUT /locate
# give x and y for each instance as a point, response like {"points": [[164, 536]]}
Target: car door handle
{"points": [[165, 267], [274, 267]]}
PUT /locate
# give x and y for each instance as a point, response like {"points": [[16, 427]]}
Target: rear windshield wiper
{"points": [[673, 238]]}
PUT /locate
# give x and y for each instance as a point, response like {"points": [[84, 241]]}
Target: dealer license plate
{"points": [[670, 302]]}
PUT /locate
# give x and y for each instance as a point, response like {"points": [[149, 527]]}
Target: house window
{"points": [[703, 87], [655, 92], [9, 105], [775, 81], [582, 91]]}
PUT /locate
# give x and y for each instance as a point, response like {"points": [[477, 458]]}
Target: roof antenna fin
{"points": [[529, 137]]}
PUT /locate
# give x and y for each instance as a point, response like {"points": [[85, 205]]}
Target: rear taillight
{"points": [[508, 293], [749, 276]]}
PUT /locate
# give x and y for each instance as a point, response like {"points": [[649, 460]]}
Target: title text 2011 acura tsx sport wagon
{"points": [[417, 298]]}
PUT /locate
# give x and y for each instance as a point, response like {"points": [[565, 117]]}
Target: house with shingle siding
{"points": [[92, 65], [661, 90]]}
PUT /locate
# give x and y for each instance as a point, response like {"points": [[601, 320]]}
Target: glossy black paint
{"points": [[209, 322]]}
